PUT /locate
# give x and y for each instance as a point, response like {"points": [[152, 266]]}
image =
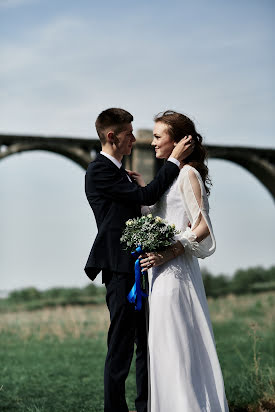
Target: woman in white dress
{"points": [[185, 374]]}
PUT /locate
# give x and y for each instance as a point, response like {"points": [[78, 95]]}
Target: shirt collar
{"points": [[115, 161]]}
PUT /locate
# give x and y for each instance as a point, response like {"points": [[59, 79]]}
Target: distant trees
{"points": [[26, 294], [32, 298], [215, 285], [251, 280]]}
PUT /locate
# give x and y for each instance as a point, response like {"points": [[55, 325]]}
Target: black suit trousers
{"points": [[127, 328]]}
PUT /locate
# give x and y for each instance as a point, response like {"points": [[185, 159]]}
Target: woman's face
{"points": [[162, 142]]}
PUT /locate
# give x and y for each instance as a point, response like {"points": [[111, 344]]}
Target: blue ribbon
{"points": [[135, 294]]}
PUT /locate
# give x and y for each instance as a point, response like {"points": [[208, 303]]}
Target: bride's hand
{"points": [[151, 259], [137, 177], [183, 148]]}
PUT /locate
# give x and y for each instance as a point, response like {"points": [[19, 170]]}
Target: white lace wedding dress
{"points": [[185, 374]]}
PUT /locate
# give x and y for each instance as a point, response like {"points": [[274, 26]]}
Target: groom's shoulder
{"points": [[97, 165]]}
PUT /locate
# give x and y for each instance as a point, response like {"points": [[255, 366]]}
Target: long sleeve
{"points": [[197, 207], [102, 180]]}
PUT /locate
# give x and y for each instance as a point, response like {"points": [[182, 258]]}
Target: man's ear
{"points": [[110, 136]]}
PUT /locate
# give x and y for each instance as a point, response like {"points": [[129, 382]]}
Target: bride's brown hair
{"points": [[179, 126]]}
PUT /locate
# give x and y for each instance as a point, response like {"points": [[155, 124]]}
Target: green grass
{"points": [[52, 376], [52, 359]]}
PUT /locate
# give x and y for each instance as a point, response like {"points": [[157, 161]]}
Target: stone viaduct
{"points": [[258, 161]]}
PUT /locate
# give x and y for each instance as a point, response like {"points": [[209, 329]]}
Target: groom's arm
{"points": [[110, 184]]}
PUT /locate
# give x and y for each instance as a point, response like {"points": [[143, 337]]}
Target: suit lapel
{"points": [[121, 170]]}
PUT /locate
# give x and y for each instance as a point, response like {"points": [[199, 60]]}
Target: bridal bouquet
{"points": [[148, 232]]}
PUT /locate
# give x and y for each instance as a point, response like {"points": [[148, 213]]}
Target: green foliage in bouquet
{"points": [[151, 233]]}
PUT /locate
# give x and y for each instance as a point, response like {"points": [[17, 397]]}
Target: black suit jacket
{"points": [[114, 200]]}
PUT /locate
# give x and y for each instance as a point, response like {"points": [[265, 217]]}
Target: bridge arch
{"points": [[81, 152], [77, 150], [243, 219], [258, 161]]}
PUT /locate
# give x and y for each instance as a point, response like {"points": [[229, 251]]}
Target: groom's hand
{"points": [[183, 148], [137, 177]]}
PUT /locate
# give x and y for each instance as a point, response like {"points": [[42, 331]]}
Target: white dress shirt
{"points": [[115, 161]]}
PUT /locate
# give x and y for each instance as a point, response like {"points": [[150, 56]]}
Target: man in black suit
{"points": [[115, 198]]}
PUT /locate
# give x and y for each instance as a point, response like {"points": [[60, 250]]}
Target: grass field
{"points": [[52, 359]]}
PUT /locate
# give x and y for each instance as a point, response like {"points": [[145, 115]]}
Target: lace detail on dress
{"points": [[188, 241]]}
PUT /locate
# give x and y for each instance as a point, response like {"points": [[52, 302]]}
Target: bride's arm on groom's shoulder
{"points": [[104, 180]]}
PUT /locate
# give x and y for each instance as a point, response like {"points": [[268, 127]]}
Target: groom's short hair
{"points": [[113, 117]]}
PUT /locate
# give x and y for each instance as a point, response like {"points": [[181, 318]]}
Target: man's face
{"points": [[124, 140]]}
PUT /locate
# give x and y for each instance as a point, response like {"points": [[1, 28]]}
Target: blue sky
{"points": [[64, 62]]}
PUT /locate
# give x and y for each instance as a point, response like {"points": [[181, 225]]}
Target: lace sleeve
{"points": [[197, 207]]}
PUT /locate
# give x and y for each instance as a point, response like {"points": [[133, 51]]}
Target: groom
{"points": [[115, 198]]}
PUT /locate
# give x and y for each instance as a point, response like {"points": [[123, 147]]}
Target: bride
{"points": [[185, 374]]}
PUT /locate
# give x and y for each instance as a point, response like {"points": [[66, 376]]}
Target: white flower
{"points": [[150, 215], [173, 226], [158, 219], [129, 222]]}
